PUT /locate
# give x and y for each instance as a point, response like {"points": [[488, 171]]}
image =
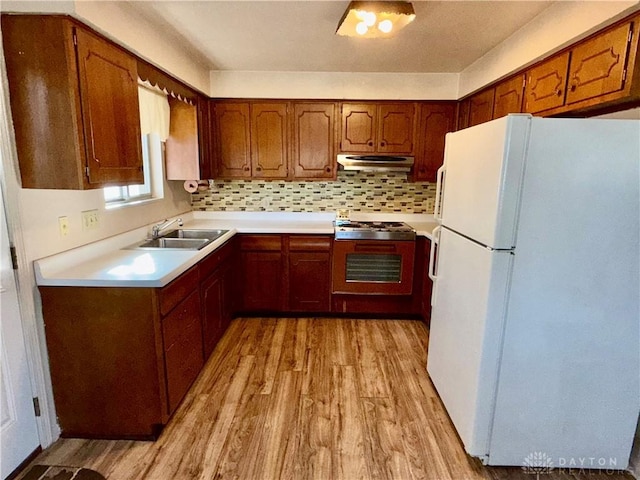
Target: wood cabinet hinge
{"points": [[624, 74], [36, 406], [14, 257], [86, 171], [630, 36], [75, 38]]}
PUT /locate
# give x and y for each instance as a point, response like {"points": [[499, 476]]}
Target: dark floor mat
{"points": [[54, 472]]}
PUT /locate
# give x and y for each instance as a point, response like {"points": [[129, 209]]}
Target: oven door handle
{"points": [[435, 238]]}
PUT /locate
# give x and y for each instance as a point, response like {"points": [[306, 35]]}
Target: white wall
{"points": [[556, 27], [335, 85]]}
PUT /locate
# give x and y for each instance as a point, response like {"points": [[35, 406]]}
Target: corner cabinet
{"points": [[436, 120], [74, 100], [378, 128]]}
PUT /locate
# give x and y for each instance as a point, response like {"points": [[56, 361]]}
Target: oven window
{"points": [[363, 267]]}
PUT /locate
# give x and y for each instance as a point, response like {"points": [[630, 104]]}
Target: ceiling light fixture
{"points": [[375, 19]]}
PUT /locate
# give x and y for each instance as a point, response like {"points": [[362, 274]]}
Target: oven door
{"points": [[373, 267]]}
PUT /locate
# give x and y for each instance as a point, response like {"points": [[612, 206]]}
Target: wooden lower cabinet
{"points": [[119, 365], [182, 339], [261, 274], [217, 294], [309, 273]]}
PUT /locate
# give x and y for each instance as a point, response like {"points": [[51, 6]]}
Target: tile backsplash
{"points": [[357, 191]]}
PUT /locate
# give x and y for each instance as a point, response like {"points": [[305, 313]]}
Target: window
{"points": [[131, 193]]}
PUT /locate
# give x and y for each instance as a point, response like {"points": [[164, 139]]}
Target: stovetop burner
{"points": [[369, 230]]}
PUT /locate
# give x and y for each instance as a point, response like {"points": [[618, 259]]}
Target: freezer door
{"points": [[482, 177], [466, 334]]}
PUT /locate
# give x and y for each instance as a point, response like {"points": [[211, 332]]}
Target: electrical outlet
{"points": [[90, 220], [63, 226]]}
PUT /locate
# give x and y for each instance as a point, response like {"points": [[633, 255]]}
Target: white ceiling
{"points": [[299, 36]]}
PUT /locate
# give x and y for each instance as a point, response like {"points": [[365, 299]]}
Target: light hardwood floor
{"points": [[304, 398]]}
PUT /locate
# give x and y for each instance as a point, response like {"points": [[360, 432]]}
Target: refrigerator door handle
{"points": [[437, 214], [435, 238]]}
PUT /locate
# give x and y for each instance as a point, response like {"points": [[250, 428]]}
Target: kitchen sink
{"points": [[175, 243], [193, 233], [181, 239]]}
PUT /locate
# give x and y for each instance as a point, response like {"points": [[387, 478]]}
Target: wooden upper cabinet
{"points": [[74, 100], [463, 114], [314, 140], [481, 107], [182, 153], [598, 65], [436, 120], [231, 139], [269, 140], [110, 111], [546, 83], [508, 97], [358, 128], [378, 128], [396, 128]]}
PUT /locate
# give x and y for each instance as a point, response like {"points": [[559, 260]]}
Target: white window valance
{"points": [[154, 111]]}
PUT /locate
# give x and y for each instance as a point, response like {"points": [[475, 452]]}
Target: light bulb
{"points": [[369, 19], [385, 26], [361, 28]]}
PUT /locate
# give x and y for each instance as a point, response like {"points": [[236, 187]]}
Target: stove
{"points": [[361, 230]]}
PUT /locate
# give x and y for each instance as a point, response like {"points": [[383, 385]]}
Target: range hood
{"points": [[375, 163]]}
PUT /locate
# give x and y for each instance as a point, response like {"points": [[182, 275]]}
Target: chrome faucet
{"points": [[156, 229]]}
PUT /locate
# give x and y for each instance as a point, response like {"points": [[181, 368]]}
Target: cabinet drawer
{"points": [[261, 243], [173, 293], [215, 259], [309, 243], [181, 321]]}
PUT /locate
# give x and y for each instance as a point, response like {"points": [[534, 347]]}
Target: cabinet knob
{"points": [[259, 169], [370, 144], [559, 92], [328, 169], [573, 87], [246, 169], [382, 144]]}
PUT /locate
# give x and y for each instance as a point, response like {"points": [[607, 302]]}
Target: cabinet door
{"points": [[309, 273], [358, 128], [212, 294], [481, 107], [436, 120], [110, 111], [231, 140], [508, 97], [463, 114], [598, 65], [396, 123], [545, 87], [207, 169], [261, 267], [182, 149], [182, 338], [314, 140], [269, 140]]}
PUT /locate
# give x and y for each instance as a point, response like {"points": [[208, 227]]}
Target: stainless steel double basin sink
{"points": [[181, 239]]}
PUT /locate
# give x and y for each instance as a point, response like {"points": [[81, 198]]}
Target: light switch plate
{"points": [[90, 220]]}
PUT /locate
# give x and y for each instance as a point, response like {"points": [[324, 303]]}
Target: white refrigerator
{"points": [[534, 344]]}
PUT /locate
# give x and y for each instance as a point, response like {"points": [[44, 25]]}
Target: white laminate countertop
{"points": [[112, 263]]}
